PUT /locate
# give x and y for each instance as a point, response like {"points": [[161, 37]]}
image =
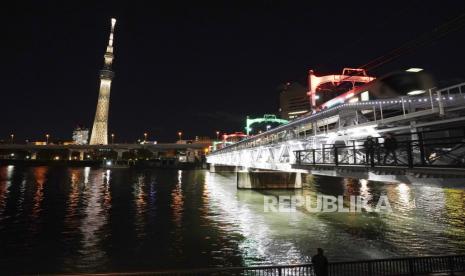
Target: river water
{"points": [[61, 220]]}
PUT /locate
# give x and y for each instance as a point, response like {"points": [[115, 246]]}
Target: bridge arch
{"points": [[267, 118], [346, 76]]}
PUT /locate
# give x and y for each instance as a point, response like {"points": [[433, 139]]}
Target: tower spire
{"points": [[109, 52], [99, 134]]}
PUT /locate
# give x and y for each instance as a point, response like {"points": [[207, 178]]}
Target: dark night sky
{"points": [[198, 66]]}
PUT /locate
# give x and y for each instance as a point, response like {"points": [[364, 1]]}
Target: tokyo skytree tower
{"points": [[99, 134]]}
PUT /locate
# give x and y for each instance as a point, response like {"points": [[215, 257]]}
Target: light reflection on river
{"points": [[57, 219]]}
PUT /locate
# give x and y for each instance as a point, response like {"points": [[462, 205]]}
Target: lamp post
{"points": [[217, 135], [112, 138], [145, 137], [12, 137], [180, 135], [47, 136]]}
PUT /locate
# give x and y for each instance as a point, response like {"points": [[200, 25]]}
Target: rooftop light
{"points": [[414, 70]]}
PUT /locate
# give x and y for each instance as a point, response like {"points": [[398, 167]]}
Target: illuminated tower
{"points": [[99, 134]]}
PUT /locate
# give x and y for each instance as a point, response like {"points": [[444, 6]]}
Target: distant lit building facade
{"points": [[293, 101], [202, 140], [80, 136]]}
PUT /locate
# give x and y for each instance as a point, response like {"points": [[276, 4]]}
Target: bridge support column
{"points": [[81, 155], [269, 180], [222, 168]]}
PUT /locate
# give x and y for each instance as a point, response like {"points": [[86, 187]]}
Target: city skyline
{"points": [[174, 71], [277, 137]]}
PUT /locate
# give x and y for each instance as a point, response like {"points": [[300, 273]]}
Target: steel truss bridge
{"points": [[430, 130]]}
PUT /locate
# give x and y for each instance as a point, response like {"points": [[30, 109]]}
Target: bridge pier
{"points": [[81, 155], [269, 180], [72, 154], [222, 168]]}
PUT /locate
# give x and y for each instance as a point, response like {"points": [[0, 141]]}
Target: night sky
{"points": [[199, 66]]}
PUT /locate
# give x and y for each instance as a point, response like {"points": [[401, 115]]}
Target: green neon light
{"points": [[267, 118]]}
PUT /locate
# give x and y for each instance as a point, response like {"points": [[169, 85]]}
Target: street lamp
{"points": [[12, 136], [217, 135], [145, 137], [180, 135], [46, 137], [112, 138]]}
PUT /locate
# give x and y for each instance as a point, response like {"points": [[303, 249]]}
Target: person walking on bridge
{"points": [[369, 146], [390, 147]]}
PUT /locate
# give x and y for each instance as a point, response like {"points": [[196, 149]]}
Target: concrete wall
{"points": [[269, 180], [222, 168]]}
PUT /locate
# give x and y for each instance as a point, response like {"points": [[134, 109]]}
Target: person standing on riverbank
{"points": [[320, 263]]}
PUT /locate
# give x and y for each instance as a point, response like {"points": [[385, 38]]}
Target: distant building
{"points": [[81, 136], [293, 101], [202, 140]]}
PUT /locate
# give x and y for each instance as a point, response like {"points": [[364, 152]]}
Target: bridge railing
{"points": [[394, 266], [431, 152]]}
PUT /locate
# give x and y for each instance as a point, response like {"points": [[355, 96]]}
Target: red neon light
{"points": [[232, 135], [314, 81]]}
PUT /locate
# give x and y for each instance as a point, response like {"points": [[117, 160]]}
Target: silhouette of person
{"points": [[320, 263], [390, 147], [369, 146]]}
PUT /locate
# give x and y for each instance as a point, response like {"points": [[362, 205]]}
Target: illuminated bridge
{"points": [[429, 129]]}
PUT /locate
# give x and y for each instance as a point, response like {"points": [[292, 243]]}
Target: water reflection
{"points": [[71, 219], [364, 191], [6, 173], [140, 202], [95, 216], [454, 216], [177, 205], [91, 220], [177, 208], [86, 175], [242, 212], [40, 177], [411, 229]]}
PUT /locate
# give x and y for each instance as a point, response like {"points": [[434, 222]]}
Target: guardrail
{"points": [[395, 266], [432, 152]]}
